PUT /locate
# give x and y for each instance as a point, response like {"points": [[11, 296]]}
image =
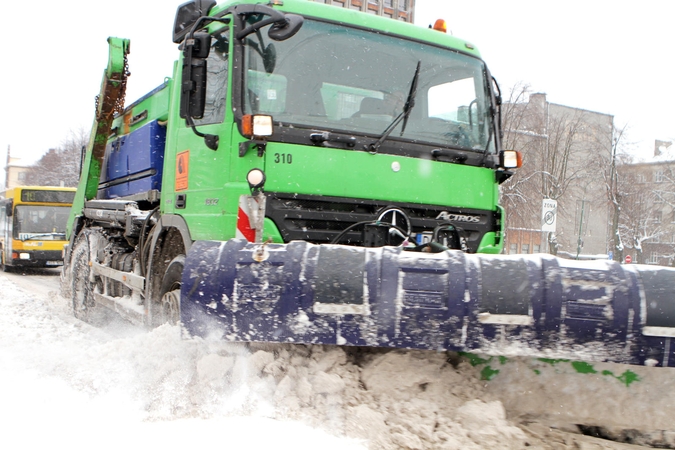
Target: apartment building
{"points": [[395, 9], [567, 155]]}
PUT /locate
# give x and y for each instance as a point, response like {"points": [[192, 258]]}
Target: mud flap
{"points": [[386, 297]]}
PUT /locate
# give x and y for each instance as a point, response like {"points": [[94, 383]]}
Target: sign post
{"points": [[549, 211]]}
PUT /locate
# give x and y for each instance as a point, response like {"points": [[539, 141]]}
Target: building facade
{"points": [[15, 173], [567, 153], [395, 9], [647, 219]]}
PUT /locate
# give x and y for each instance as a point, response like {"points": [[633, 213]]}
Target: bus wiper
{"points": [[409, 103]]}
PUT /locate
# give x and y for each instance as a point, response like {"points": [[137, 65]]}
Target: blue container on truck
{"points": [[133, 163], [134, 156]]}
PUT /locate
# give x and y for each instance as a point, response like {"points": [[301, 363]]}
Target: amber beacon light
{"points": [[440, 25]]}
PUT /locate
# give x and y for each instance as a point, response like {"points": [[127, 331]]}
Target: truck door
{"points": [[200, 173]]}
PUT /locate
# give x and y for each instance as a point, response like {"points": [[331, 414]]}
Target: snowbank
{"points": [[62, 381]]}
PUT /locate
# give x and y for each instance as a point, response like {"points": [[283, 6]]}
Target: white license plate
{"points": [[54, 263]]}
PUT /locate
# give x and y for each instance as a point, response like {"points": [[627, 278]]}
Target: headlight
{"points": [[256, 125], [510, 159]]}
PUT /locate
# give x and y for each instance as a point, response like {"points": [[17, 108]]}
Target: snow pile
{"points": [[64, 381], [391, 399]]}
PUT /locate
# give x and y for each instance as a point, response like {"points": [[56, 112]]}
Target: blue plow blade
{"points": [[501, 305]]}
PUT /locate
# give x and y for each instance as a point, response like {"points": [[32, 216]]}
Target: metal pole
{"points": [[7, 169], [581, 223]]}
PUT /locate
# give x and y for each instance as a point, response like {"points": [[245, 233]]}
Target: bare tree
{"points": [[650, 225], [60, 166], [640, 222], [516, 192], [618, 184], [558, 144]]}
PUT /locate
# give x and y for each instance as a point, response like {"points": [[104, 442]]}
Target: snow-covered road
{"points": [[65, 383]]}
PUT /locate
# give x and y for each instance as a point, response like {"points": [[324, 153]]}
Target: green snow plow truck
{"points": [[312, 174]]}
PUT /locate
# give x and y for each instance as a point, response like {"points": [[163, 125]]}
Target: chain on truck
{"points": [[312, 174]]}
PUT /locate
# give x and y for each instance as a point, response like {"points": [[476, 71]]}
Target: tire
{"points": [[82, 286], [169, 292]]}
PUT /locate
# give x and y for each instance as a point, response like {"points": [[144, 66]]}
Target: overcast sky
{"points": [[613, 57]]}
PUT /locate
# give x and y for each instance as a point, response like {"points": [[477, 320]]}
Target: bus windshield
{"points": [[40, 222], [332, 77]]}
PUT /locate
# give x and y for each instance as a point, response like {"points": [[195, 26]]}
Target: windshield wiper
{"points": [[409, 103], [326, 136], [452, 155]]}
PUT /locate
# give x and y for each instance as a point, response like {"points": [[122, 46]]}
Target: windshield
{"points": [[40, 222], [331, 77]]}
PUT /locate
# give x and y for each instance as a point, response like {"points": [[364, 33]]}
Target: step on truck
{"points": [[312, 174]]}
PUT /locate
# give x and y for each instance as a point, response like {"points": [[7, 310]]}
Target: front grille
{"points": [[320, 219]]}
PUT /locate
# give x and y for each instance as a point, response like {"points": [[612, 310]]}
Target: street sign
{"points": [[549, 211], [629, 259]]}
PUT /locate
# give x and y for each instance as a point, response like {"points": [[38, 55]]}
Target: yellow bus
{"points": [[33, 225]]}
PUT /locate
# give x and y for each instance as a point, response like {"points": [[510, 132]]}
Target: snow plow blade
{"points": [[501, 305]]}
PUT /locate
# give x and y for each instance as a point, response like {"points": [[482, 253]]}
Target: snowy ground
{"points": [[64, 382]]}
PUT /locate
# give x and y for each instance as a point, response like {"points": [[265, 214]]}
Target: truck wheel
{"points": [[82, 286], [169, 311]]}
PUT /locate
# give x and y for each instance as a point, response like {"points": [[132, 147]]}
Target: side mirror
{"points": [[269, 57], [9, 208], [283, 26], [193, 87], [187, 14], [280, 31]]}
